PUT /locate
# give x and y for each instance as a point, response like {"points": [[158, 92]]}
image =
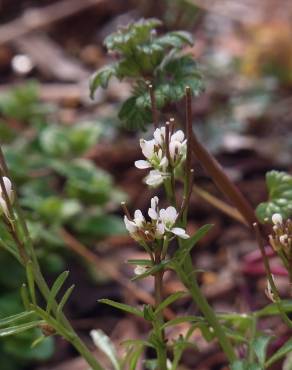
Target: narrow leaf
{"points": [[152, 270], [30, 281], [19, 328], [183, 319], [64, 301], [169, 300], [188, 244], [14, 318], [56, 288], [272, 309], [286, 348], [123, 307]]}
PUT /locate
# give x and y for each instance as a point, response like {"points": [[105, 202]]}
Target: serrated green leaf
{"points": [[169, 300], [176, 39], [132, 116], [101, 78], [279, 186], [286, 348], [123, 307], [135, 33], [56, 288]]}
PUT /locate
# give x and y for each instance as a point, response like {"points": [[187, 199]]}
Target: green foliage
{"points": [[63, 141], [279, 186], [260, 345], [145, 56], [22, 103], [123, 307], [56, 189]]}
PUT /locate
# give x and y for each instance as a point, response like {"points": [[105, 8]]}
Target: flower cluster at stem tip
{"points": [[281, 239], [162, 155], [161, 224], [9, 191]]}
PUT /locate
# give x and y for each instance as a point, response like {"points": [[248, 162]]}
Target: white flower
{"points": [[155, 178], [139, 219], [153, 210], [139, 270], [159, 135], [277, 219], [147, 148], [9, 191], [168, 217], [142, 165], [130, 225], [161, 222], [156, 155]]}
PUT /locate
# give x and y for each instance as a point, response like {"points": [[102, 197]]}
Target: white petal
{"points": [[174, 148], [147, 147], [139, 218], [154, 202], [277, 219], [160, 229], [164, 163], [130, 225], [159, 135], [152, 214], [178, 136], [8, 187], [163, 215], [141, 164], [3, 206], [154, 178], [171, 214], [180, 232]]}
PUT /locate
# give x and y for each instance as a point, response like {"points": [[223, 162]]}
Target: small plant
{"points": [[168, 157], [147, 58]]}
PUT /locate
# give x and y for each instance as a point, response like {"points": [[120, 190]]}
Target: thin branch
{"points": [[270, 275], [153, 105], [222, 181]]}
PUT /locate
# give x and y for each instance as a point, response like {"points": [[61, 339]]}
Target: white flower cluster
{"points": [[160, 224], [8, 187], [155, 152], [281, 238]]}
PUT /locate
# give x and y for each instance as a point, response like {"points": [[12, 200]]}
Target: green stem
{"points": [[158, 288], [169, 191], [209, 314], [251, 353]]}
